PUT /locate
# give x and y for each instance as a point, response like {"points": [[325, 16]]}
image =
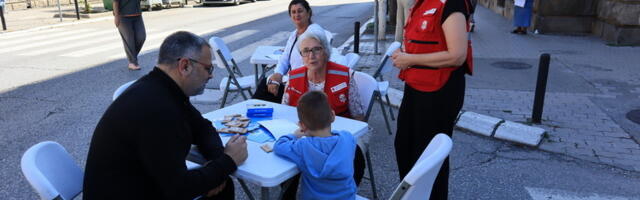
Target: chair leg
{"points": [[384, 114], [246, 189], [390, 107], [226, 93], [371, 178]]}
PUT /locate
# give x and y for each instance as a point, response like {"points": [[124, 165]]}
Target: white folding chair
{"points": [[235, 81], [329, 36], [384, 67], [367, 92], [121, 89], [417, 184], [352, 59], [51, 171]]}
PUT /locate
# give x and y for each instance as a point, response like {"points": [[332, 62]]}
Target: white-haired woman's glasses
{"points": [[307, 52]]}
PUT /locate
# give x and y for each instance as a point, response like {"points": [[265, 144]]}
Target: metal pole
{"points": [[59, 11], [77, 10], [375, 28], [4, 25], [356, 37], [541, 87]]}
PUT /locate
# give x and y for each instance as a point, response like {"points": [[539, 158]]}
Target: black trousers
{"points": [[263, 93], [358, 173], [133, 36], [422, 115]]}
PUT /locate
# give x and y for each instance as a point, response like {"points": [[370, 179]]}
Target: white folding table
{"points": [[267, 169], [265, 56]]}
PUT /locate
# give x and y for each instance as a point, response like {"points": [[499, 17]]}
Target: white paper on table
{"points": [[519, 3], [279, 127]]}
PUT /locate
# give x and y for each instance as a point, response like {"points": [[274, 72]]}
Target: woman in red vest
{"points": [[435, 56], [320, 74]]}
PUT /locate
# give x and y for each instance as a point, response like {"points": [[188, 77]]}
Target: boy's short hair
{"points": [[314, 110]]}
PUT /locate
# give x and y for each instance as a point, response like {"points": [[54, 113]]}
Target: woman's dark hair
{"points": [[304, 4]]}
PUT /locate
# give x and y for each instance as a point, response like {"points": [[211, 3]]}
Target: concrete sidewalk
{"points": [[591, 87]]}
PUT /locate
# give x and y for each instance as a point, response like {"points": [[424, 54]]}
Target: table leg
{"points": [[255, 69], [246, 189], [265, 193]]}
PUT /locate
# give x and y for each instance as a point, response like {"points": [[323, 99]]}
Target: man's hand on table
{"points": [[236, 148]]}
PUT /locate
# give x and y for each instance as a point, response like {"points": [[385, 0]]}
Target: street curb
{"points": [[486, 125], [477, 123], [520, 133]]}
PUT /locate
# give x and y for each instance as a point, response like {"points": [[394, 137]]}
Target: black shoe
{"points": [[523, 32]]}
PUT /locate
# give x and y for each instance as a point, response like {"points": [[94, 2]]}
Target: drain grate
{"points": [[511, 65], [634, 116]]}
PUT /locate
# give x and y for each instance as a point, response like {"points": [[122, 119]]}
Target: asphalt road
{"points": [[56, 83], [57, 87]]}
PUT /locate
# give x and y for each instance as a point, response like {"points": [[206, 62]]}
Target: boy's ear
{"points": [[333, 116], [302, 127]]}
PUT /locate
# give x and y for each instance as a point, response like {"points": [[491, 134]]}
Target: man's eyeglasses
{"points": [[307, 52], [208, 68]]}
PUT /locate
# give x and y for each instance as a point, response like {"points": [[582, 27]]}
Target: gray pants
{"points": [[133, 35]]}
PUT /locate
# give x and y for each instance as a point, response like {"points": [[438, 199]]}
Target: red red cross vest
{"points": [[423, 33], [336, 86]]}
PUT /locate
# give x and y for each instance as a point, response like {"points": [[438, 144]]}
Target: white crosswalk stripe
{"points": [[150, 46], [112, 36], [27, 34], [78, 38], [112, 46], [52, 36]]}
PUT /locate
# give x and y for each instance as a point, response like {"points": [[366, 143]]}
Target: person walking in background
{"points": [[522, 16], [435, 56], [402, 14], [127, 16], [472, 19]]}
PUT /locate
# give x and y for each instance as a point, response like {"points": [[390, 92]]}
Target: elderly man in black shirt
{"points": [[139, 147]]}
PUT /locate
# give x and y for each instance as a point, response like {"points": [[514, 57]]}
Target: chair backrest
{"points": [[366, 87], [385, 64], [121, 89], [329, 36], [417, 184], [217, 44], [51, 171], [352, 59]]}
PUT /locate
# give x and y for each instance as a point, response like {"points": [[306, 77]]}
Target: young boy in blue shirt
{"points": [[324, 157]]}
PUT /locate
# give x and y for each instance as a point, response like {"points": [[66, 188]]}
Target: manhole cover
{"points": [[634, 116], [511, 65]]}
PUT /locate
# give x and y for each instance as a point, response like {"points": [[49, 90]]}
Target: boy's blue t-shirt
{"points": [[326, 164]]}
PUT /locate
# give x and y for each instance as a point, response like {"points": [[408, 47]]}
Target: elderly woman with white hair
{"points": [[335, 80], [318, 73]]}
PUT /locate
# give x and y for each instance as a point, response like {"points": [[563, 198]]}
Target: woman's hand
{"points": [[401, 60], [273, 88]]}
